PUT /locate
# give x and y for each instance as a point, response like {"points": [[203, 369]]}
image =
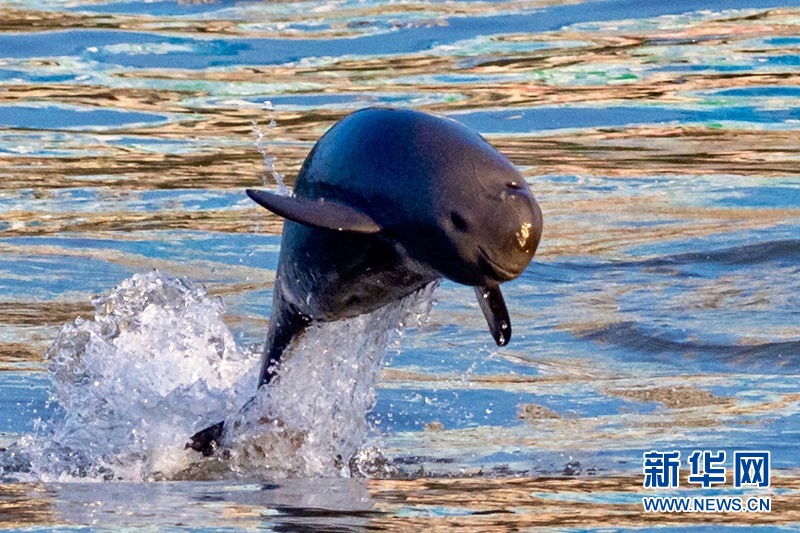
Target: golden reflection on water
{"points": [[346, 23], [573, 228], [556, 502], [469, 504], [573, 66]]}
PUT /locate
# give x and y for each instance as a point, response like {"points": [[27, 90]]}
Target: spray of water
{"points": [[311, 421], [157, 363], [262, 145]]}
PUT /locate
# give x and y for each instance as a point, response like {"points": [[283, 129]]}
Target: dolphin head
{"points": [[473, 218]]}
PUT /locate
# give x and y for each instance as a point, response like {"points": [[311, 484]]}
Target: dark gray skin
{"points": [[387, 202]]}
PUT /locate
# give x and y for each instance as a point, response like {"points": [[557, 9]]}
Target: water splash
{"points": [[157, 363], [262, 143], [132, 383], [311, 421]]}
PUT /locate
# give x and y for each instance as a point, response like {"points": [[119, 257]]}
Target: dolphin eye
{"points": [[516, 185], [458, 221]]}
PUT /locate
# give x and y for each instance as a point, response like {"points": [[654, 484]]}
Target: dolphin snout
{"points": [[516, 238]]}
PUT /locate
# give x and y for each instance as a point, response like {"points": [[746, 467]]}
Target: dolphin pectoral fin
{"points": [[494, 309], [327, 214]]}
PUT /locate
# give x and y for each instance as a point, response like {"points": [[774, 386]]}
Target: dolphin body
{"points": [[387, 202]]}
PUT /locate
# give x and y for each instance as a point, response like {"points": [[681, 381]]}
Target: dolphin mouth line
{"points": [[501, 272]]}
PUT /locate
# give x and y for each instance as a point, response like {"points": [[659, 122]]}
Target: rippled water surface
{"points": [[662, 140]]}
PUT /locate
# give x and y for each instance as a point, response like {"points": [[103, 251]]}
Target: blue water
{"points": [[661, 311]]}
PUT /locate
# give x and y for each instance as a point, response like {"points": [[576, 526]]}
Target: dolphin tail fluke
{"points": [[208, 440], [491, 302]]}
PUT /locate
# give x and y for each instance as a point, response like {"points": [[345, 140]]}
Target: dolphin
{"points": [[388, 201]]}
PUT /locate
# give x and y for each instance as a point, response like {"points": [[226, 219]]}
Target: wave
{"points": [[748, 254], [783, 252], [784, 355]]}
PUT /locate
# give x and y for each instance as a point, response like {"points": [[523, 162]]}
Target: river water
{"points": [[661, 139]]}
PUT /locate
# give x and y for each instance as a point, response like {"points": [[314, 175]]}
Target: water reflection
{"points": [[660, 139], [475, 504]]}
